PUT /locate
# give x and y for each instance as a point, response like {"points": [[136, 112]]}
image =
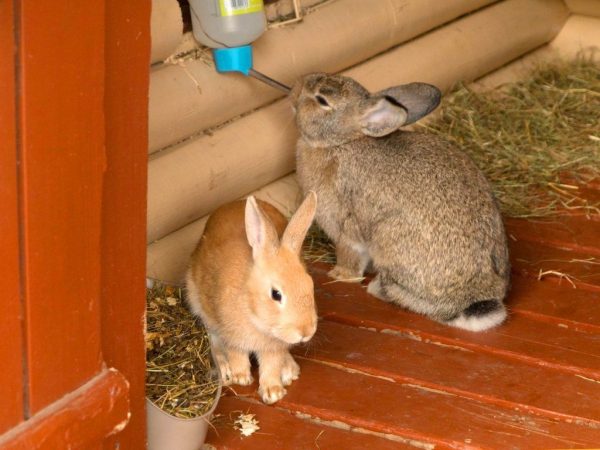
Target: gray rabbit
{"points": [[409, 203]]}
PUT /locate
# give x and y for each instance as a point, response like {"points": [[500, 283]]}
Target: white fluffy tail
{"points": [[480, 316]]}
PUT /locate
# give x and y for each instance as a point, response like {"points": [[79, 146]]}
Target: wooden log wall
{"points": [[255, 152], [166, 24], [186, 100]]}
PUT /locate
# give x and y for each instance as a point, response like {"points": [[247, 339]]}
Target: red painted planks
{"points": [[127, 55], [281, 429], [11, 345], [61, 70], [79, 420], [570, 232], [426, 416], [564, 304], [521, 337], [561, 266], [458, 371]]}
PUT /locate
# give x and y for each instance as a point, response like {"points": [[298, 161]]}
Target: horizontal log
{"points": [[468, 48], [166, 27], [186, 100], [584, 7], [579, 34], [167, 259], [283, 8], [189, 181]]}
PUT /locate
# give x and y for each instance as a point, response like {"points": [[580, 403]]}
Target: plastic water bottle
{"points": [[229, 27]]}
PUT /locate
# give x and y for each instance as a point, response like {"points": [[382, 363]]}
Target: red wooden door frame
{"points": [[11, 377], [127, 61], [74, 117]]}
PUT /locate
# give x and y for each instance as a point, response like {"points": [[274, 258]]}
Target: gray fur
{"points": [[409, 203]]}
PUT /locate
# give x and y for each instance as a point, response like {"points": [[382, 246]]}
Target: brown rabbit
{"points": [[249, 286], [409, 203]]}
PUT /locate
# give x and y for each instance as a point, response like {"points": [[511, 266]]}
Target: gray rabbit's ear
{"points": [[380, 117], [418, 99]]}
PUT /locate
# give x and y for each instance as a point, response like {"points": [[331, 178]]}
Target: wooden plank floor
{"points": [[376, 376]]}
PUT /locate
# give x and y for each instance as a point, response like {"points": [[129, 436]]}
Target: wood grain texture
{"points": [[280, 429], [11, 346], [127, 53], [81, 419], [61, 67]]}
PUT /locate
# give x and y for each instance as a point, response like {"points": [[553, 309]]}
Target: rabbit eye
{"points": [[275, 295], [323, 101]]}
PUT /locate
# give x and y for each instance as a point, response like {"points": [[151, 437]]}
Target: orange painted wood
{"points": [[572, 232], [425, 416], [81, 419], [521, 337], [127, 54], [567, 306], [530, 258], [11, 345], [280, 429], [458, 371], [61, 71]]}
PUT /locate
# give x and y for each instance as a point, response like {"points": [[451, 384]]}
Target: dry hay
{"points": [[318, 247], [180, 374], [535, 140]]}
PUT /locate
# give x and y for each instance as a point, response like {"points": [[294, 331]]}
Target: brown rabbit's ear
{"points": [[260, 232], [418, 99], [294, 234], [380, 117]]}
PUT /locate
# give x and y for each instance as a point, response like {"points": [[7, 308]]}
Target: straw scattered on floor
{"points": [[180, 376]]}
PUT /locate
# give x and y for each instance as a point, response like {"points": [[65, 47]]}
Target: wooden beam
{"points": [[11, 346], [61, 72], [80, 419], [127, 53]]}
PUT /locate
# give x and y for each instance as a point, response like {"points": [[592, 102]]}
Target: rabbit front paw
{"points": [[271, 393], [344, 274], [239, 366], [242, 378], [290, 371], [225, 370]]}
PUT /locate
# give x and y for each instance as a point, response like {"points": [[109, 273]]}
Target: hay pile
{"points": [[535, 140], [180, 375]]}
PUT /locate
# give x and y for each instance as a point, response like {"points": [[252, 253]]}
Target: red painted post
{"points": [[127, 53], [11, 345], [62, 161]]}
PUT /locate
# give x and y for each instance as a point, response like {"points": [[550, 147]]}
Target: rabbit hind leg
{"points": [[376, 289], [352, 260], [386, 288]]}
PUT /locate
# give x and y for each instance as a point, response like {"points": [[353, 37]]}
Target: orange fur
{"points": [[229, 286]]}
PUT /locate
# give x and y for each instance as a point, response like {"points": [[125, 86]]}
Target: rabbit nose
{"points": [[308, 332]]}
